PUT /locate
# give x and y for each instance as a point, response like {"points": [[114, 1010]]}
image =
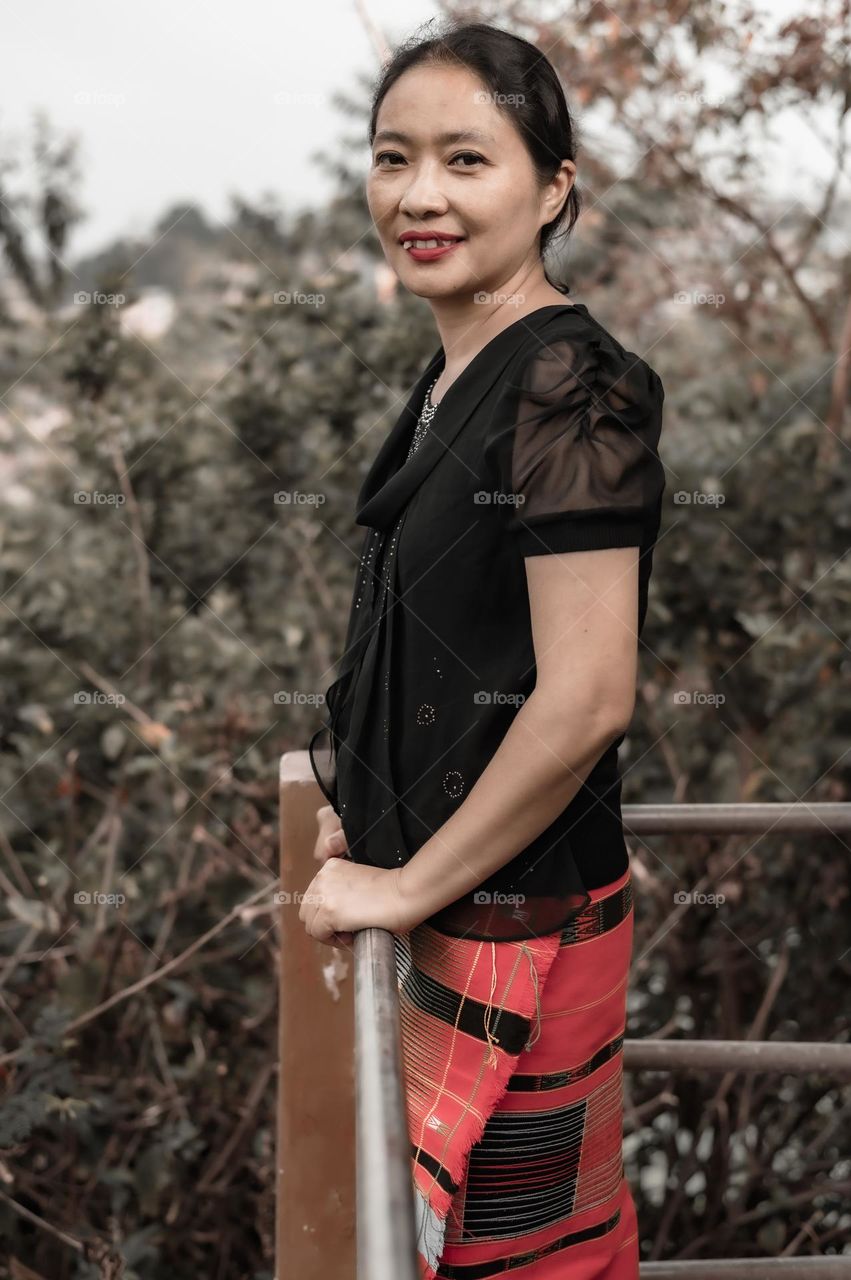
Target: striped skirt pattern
{"points": [[513, 1062]]}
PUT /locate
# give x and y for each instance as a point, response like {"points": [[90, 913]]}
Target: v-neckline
{"points": [[393, 478], [441, 355]]}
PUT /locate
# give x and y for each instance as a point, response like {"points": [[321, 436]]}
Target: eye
{"points": [[462, 155]]}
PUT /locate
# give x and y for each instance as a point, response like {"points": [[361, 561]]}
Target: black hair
{"points": [[525, 87]]}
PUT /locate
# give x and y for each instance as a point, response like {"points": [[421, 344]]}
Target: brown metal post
{"points": [[315, 1183]]}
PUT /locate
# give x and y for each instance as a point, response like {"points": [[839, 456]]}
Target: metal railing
{"points": [[386, 1247], [345, 1060]]}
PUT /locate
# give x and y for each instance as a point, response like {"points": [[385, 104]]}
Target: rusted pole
{"points": [[747, 819], [749, 1269], [792, 1057]]}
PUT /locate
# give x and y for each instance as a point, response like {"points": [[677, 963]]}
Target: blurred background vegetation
{"points": [[185, 422]]}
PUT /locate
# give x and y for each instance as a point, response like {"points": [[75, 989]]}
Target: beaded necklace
{"points": [[426, 414]]}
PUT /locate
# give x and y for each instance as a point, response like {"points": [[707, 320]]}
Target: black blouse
{"points": [[546, 442]]}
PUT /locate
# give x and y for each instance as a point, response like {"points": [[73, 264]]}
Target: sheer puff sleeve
{"points": [[572, 447]]}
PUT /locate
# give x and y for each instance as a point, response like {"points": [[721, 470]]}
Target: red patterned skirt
{"points": [[513, 1060]]}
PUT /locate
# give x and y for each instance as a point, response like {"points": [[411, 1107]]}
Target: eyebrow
{"points": [[443, 139]]}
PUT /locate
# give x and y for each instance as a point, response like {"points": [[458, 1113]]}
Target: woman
{"points": [[489, 678]]}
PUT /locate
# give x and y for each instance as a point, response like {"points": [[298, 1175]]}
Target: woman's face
{"points": [[479, 185]]}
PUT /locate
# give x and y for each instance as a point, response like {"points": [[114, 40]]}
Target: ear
{"points": [[560, 188]]}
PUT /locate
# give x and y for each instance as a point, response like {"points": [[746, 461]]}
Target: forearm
{"points": [[536, 771]]}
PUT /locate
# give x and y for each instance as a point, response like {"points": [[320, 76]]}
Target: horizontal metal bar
{"points": [[386, 1245], [749, 1269], [750, 819], [739, 1055]]}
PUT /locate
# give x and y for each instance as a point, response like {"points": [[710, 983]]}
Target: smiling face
{"points": [[445, 159]]}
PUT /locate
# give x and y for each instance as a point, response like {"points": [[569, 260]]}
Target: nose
{"points": [[423, 193]]}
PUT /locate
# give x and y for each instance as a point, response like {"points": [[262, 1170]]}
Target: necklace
{"points": [[426, 414]]}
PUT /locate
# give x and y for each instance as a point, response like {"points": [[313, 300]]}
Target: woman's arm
{"points": [[584, 609]]}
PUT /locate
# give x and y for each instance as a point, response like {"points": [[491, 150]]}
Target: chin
{"points": [[436, 290]]}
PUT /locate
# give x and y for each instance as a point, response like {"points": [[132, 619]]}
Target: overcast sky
{"points": [[178, 99], [183, 100]]}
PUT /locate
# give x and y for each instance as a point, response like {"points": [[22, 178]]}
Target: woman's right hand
{"points": [[331, 840]]}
